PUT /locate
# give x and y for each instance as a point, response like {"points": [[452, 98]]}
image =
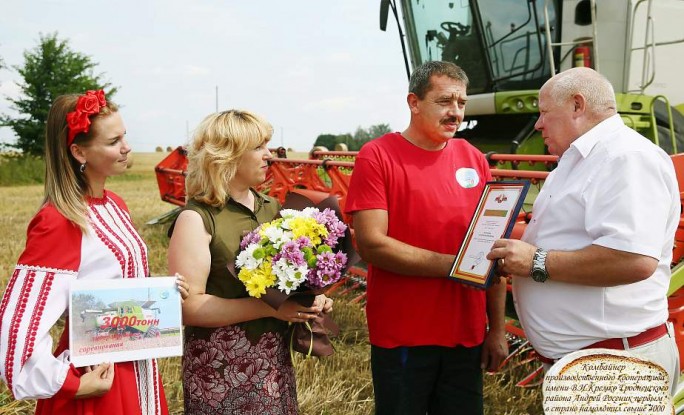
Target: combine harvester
{"points": [[137, 319], [509, 48]]}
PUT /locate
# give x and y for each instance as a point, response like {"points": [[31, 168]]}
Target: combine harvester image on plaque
{"points": [[123, 320]]}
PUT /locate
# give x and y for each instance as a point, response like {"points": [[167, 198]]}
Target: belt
{"points": [[637, 340]]}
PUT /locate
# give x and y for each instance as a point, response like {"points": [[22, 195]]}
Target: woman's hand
{"points": [[294, 312], [96, 381], [183, 287], [326, 303]]}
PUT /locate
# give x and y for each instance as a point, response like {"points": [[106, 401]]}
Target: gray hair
{"points": [[420, 78], [596, 89]]}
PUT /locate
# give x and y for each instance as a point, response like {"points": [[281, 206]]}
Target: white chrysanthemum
{"points": [[277, 236], [291, 213], [280, 268], [309, 211], [245, 259], [289, 276]]}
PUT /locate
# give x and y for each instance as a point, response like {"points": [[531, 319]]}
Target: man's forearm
{"points": [[398, 257], [496, 305], [599, 266]]}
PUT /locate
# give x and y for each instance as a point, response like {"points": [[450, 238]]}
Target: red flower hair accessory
{"points": [[87, 105]]}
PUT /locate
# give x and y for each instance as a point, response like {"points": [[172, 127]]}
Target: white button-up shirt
{"points": [[612, 188]]}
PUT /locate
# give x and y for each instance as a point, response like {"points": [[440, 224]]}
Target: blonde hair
{"points": [[65, 186], [215, 151]]}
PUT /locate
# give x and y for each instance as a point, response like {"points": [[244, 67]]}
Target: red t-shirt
{"points": [[430, 197]]}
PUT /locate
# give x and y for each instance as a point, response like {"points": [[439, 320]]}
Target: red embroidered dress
{"points": [[36, 296]]}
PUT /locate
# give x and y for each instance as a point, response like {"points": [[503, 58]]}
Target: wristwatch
{"points": [[539, 272]]}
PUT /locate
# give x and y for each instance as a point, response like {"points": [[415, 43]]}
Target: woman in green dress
{"points": [[236, 359]]}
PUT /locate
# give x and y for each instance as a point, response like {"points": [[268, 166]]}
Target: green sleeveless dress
{"points": [[246, 367]]}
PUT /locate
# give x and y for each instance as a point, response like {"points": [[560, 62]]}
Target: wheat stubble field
{"points": [[336, 385]]}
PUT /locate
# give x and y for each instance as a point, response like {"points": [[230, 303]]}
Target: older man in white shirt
{"points": [[593, 266]]}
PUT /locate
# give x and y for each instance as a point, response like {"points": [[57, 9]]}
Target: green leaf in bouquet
{"points": [[259, 253], [323, 248]]}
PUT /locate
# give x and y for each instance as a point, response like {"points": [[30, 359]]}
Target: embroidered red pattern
{"points": [[126, 221], [155, 375], [3, 307], [35, 318], [8, 289], [125, 258], [16, 322]]}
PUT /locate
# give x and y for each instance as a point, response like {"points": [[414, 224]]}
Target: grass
{"points": [[336, 385], [17, 169]]}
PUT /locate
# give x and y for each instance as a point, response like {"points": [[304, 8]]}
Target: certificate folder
{"points": [[494, 218]]}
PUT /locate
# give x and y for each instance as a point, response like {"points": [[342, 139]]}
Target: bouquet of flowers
{"points": [[293, 252], [295, 255]]}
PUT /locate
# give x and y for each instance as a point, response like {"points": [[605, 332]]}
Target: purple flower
{"points": [[328, 269], [291, 252], [335, 232], [333, 224], [251, 238], [303, 241]]}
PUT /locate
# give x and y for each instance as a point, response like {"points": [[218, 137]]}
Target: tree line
{"points": [[353, 142]]}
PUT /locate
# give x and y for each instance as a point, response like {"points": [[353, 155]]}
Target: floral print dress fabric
{"points": [[243, 368], [227, 374]]}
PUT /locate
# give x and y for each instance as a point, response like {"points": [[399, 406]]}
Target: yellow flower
{"points": [[256, 281], [308, 227]]}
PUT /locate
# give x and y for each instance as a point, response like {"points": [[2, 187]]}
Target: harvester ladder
{"points": [[648, 69], [670, 123], [550, 45]]}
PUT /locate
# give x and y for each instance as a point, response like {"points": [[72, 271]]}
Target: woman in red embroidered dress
{"points": [[236, 359], [82, 231]]}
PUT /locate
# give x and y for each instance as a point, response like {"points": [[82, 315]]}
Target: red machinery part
{"points": [[328, 173], [582, 56], [171, 173]]}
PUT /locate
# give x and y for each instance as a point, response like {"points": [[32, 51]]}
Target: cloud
{"points": [[339, 57], [193, 70]]}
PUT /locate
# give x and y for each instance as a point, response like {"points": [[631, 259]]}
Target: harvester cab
{"points": [[509, 48]]}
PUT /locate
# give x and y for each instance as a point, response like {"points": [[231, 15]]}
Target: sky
{"points": [[309, 67]]}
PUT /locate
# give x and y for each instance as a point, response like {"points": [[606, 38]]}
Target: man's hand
{"points": [[513, 256], [494, 350]]}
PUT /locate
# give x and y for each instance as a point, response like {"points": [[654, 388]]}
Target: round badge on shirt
{"points": [[467, 177]]}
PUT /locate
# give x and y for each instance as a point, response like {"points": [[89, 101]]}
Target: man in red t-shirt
{"points": [[412, 196]]}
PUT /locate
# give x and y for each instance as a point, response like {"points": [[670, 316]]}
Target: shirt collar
{"points": [[586, 142], [259, 199]]}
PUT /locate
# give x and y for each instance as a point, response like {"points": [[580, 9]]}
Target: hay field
{"points": [[337, 385]]}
